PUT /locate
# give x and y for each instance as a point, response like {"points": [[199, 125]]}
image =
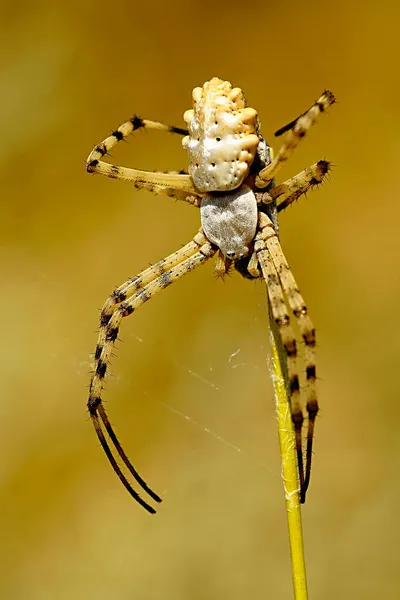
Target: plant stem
{"points": [[289, 463]]}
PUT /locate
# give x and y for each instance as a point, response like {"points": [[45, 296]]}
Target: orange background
{"points": [[70, 73]]}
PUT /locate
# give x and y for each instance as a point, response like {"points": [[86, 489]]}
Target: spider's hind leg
{"points": [[173, 184], [297, 130]]}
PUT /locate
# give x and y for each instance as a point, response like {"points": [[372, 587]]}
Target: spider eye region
{"points": [[230, 220]]}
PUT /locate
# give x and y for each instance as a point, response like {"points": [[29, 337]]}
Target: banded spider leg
{"points": [[281, 286], [177, 185], [126, 299]]}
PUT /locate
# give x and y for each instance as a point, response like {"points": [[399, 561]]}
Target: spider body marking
{"points": [[231, 180]]}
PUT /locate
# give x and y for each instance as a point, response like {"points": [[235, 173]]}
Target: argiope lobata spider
{"points": [[231, 179]]}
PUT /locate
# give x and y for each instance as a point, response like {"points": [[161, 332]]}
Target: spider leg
{"points": [[133, 285], [296, 133], [123, 302], [125, 482], [281, 317], [173, 184], [291, 190], [307, 331]]}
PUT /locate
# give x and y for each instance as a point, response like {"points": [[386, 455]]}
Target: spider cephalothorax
{"points": [[231, 180]]}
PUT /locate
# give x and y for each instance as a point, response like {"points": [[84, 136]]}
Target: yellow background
{"points": [[70, 73]]}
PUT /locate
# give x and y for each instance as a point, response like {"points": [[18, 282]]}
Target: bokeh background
{"points": [[190, 394]]}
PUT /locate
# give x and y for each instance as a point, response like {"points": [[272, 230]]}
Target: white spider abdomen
{"points": [[222, 140], [229, 221]]}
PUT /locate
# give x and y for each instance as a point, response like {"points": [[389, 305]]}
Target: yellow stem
{"points": [[289, 464]]}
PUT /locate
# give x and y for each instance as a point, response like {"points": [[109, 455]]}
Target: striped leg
{"points": [[297, 129], [282, 319], [291, 190], [123, 302], [133, 285], [173, 184], [307, 332]]}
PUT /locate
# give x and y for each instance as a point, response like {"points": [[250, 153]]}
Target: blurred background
{"points": [[190, 393]]}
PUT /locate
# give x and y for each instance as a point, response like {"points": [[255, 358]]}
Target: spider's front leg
{"points": [[281, 317], [280, 283], [307, 332], [122, 303]]}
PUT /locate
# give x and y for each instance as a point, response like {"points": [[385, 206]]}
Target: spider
{"points": [[231, 180]]}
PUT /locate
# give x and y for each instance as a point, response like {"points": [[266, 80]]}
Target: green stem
{"points": [[289, 463]]}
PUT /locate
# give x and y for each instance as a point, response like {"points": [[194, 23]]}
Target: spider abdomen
{"points": [[222, 140], [230, 220]]}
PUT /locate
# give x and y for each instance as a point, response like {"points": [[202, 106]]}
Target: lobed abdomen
{"points": [[223, 137]]}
